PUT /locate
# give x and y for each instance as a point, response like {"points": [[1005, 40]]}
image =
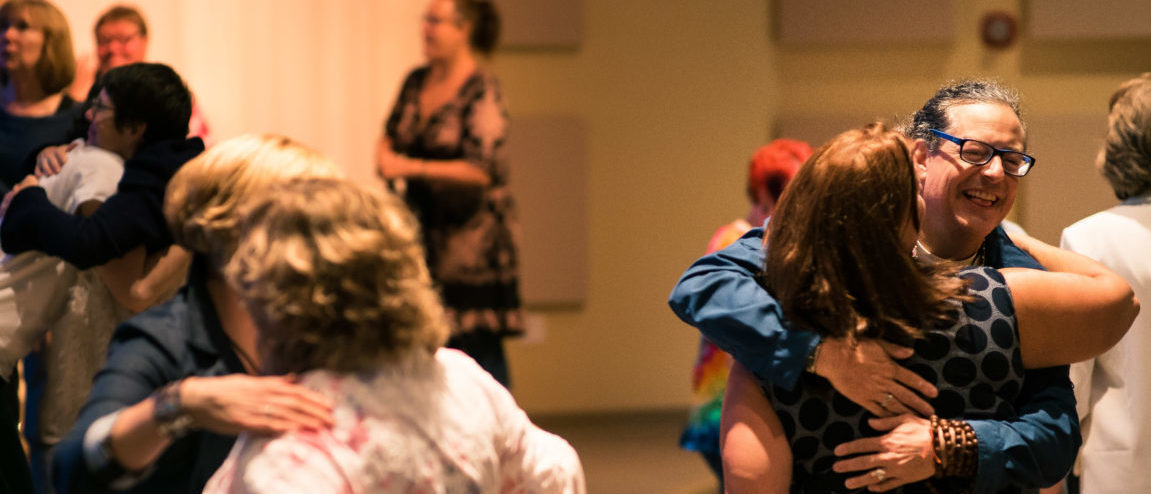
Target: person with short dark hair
{"points": [[140, 114], [967, 196], [839, 263], [157, 106]]}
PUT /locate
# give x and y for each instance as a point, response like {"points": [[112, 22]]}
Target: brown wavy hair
{"points": [[334, 276], [836, 262]]}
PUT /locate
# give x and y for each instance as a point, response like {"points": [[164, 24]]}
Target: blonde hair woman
{"points": [[181, 378], [335, 279]]}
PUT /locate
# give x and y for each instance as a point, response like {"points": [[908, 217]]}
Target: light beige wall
{"points": [[1060, 82], [675, 96], [321, 72]]}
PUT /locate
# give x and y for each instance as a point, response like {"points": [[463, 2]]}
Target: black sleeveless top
{"points": [[974, 362]]}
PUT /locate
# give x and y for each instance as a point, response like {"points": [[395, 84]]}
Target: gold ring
{"points": [[879, 474]]}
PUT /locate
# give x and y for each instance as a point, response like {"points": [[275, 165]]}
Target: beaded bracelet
{"points": [[955, 446]]}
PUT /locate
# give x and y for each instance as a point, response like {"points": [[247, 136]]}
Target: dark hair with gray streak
{"points": [[934, 115], [1125, 159]]}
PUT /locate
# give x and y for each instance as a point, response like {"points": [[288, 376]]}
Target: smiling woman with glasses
{"points": [[980, 153]]}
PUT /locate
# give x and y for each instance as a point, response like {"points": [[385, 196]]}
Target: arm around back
{"points": [[1074, 312], [720, 296]]}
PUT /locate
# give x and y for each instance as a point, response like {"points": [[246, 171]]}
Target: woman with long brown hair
{"points": [[839, 263]]}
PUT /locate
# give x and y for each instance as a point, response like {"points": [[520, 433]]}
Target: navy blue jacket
{"points": [[168, 342], [131, 217]]}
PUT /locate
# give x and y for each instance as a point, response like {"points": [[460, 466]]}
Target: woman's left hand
{"points": [[900, 457], [29, 181]]}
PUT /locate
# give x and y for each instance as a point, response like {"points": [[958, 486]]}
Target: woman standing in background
{"points": [[444, 149], [36, 65]]}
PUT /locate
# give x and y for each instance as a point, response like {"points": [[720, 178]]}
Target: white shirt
{"points": [[34, 286], [424, 425], [1113, 390]]}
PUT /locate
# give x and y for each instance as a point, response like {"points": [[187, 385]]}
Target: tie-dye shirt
{"points": [[709, 377]]}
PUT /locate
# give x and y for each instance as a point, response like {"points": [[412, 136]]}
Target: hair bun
{"points": [[485, 24]]}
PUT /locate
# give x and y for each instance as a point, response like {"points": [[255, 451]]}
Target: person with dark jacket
{"points": [[133, 216], [141, 114]]}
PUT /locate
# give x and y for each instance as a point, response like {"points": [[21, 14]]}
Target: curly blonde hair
{"points": [[203, 199], [334, 276]]}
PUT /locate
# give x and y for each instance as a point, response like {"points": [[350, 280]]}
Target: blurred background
{"points": [[633, 121]]}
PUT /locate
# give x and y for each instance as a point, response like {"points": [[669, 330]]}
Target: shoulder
{"points": [[459, 368], [981, 277], [87, 163], [482, 83], [1108, 222], [991, 292], [416, 77], [983, 281], [727, 235], [153, 165], [486, 77], [456, 361], [165, 326]]}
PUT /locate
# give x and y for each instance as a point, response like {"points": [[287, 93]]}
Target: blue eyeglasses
{"points": [[980, 153]]}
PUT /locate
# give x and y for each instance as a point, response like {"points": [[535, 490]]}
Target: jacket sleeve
{"points": [[137, 365], [125, 221], [720, 296], [1038, 448]]}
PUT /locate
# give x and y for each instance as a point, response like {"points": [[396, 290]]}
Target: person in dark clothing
{"points": [[140, 113], [36, 65], [183, 378], [149, 99]]}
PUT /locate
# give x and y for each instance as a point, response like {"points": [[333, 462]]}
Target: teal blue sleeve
{"points": [[719, 295]]}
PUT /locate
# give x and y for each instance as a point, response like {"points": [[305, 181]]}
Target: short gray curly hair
{"points": [[934, 113], [1125, 158]]}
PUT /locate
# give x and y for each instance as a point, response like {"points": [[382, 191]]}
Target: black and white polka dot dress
{"points": [[975, 363]]}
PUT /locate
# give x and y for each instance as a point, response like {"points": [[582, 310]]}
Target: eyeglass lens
{"points": [[978, 153]]}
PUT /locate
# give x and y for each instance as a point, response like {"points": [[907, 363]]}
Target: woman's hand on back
{"points": [[866, 373], [903, 456], [52, 158], [262, 405]]}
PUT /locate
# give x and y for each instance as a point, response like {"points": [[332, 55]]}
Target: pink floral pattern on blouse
{"points": [[424, 425]]}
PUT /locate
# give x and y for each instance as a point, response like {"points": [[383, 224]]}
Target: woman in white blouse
{"points": [[334, 276]]}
